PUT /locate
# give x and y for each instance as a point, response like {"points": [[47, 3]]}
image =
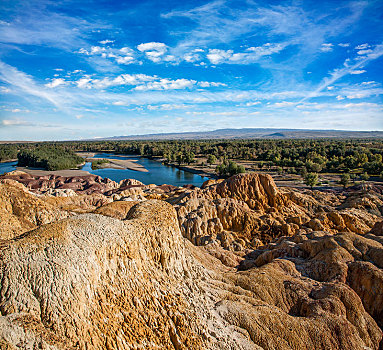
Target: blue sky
{"points": [[86, 69]]}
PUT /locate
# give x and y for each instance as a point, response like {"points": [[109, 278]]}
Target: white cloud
{"points": [[250, 104], [193, 56], [358, 95], [123, 79], [56, 82], [152, 46], [167, 84], [372, 82], [169, 58], [284, 104], [5, 90], [364, 52], [119, 103], [79, 116], [362, 47], [251, 55], [124, 55], [360, 71], [104, 42], [210, 84], [15, 122], [167, 107], [217, 56], [84, 83], [125, 60], [327, 47], [344, 44], [126, 50], [143, 82], [97, 50], [361, 105], [153, 50], [267, 49]]}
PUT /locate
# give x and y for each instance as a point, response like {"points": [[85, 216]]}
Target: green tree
{"points": [[364, 176], [189, 157], [311, 179], [313, 167], [241, 169], [345, 180], [180, 158], [211, 159]]}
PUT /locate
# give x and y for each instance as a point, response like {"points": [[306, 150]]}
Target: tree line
{"points": [[49, 158], [292, 156]]}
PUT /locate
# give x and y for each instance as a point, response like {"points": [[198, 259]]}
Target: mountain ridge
{"points": [[243, 133]]}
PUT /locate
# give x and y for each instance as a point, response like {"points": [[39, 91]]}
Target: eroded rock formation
{"points": [[246, 208], [93, 281], [115, 269], [21, 211]]}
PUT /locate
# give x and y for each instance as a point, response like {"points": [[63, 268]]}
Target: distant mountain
{"points": [[277, 134], [250, 133]]}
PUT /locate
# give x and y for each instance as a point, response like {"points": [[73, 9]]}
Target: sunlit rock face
{"points": [[248, 208], [274, 269], [21, 211]]}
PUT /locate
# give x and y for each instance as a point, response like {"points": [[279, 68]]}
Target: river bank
{"points": [[8, 160], [155, 172], [119, 164], [64, 173]]}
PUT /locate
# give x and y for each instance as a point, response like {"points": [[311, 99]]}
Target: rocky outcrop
{"points": [[80, 184], [91, 185], [343, 258], [118, 209], [93, 281], [21, 211], [378, 229], [247, 209], [109, 268]]}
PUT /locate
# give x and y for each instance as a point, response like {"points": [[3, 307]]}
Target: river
{"points": [[158, 173]]}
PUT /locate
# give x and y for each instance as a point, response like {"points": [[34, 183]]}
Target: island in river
{"points": [[119, 162]]}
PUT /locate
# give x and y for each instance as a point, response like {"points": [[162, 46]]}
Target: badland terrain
{"points": [[89, 263]]}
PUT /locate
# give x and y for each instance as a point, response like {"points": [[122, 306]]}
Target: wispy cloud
{"points": [[219, 64], [37, 23], [348, 68], [25, 83]]}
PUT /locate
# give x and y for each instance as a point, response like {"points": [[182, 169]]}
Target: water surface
{"points": [[158, 173]]}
